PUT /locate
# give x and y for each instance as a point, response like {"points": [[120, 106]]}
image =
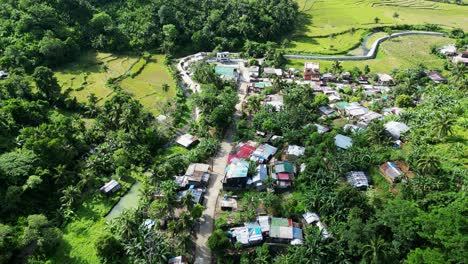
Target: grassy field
{"points": [[147, 86], [324, 17], [402, 52], [335, 44], [90, 74], [89, 223]]}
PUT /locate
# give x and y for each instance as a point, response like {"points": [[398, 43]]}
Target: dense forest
{"points": [[49, 33]]}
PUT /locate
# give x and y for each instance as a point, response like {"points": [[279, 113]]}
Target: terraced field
{"points": [[143, 79], [321, 18], [402, 52]]}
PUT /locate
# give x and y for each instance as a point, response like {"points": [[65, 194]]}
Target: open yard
{"points": [[90, 74], [402, 52], [324, 17]]}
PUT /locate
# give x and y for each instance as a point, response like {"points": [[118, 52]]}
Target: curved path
{"points": [[372, 52]]}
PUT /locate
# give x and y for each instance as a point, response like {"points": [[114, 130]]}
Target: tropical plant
{"points": [[376, 250]]}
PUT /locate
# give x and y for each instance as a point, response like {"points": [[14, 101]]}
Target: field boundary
{"points": [[372, 52]]}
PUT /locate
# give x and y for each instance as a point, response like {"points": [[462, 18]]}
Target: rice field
{"points": [[147, 86], [143, 79], [324, 17], [402, 52]]}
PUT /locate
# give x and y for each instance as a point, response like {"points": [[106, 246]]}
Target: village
{"points": [[263, 165]]}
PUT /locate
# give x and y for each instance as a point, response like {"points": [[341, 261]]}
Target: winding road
{"points": [[371, 54]]}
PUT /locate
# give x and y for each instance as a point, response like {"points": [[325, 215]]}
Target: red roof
{"points": [[284, 176], [243, 152]]}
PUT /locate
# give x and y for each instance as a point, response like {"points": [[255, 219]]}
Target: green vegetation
{"points": [[343, 24], [397, 53]]}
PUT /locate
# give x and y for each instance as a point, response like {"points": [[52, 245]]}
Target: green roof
{"points": [[225, 70], [275, 221], [342, 104], [284, 167]]}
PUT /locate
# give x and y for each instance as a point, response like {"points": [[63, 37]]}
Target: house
{"points": [[370, 116], [248, 235], [327, 111], [294, 151], [284, 230], [178, 260], [222, 56], [385, 79], [275, 100], [322, 129], [263, 153], [283, 174], [228, 203], [328, 77], [3, 75], [311, 71], [346, 76], [110, 187], [357, 179], [392, 111], [343, 142], [235, 177], [311, 218], [227, 72], [352, 128], [272, 71], [187, 141], [196, 193], [462, 58], [448, 50], [260, 177], [264, 222], [391, 172], [181, 182], [355, 110], [396, 129], [254, 71], [198, 174], [242, 151], [436, 77], [362, 79]]}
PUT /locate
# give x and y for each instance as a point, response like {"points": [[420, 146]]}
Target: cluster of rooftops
{"points": [[247, 154], [272, 229]]}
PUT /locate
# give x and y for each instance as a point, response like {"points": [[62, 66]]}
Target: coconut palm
{"points": [[458, 73], [376, 251], [428, 164], [337, 67], [443, 124], [253, 104]]}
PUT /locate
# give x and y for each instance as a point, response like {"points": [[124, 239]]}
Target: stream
{"points": [[128, 201]]}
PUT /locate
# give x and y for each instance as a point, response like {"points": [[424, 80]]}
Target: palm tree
{"points": [[376, 20], [376, 250], [68, 196], [336, 67], [253, 104], [459, 75], [443, 124], [429, 164]]}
